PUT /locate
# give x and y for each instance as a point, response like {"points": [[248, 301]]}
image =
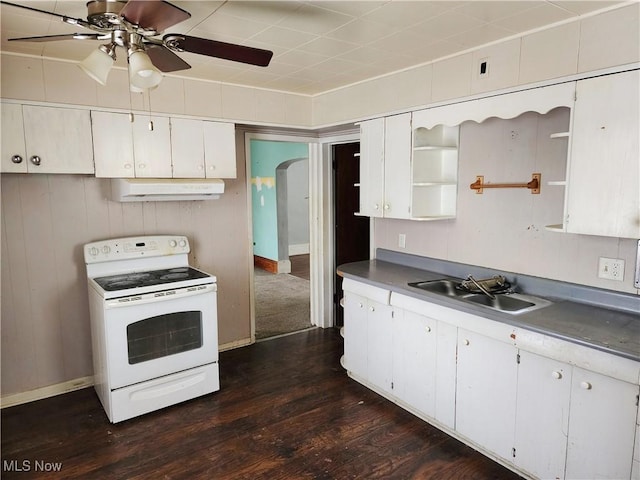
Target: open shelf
{"points": [[434, 172]]}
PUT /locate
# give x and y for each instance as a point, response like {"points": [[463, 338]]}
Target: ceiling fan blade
{"points": [[155, 15], [70, 36], [214, 48], [164, 59], [64, 18]]}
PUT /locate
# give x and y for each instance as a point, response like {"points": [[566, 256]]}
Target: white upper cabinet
{"points": [[126, 149], [371, 167], [220, 149], [202, 149], [152, 147], [603, 184], [385, 153], [128, 146], [187, 148], [39, 139], [14, 151]]}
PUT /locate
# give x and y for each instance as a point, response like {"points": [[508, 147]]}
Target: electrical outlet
{"points": [[611, 268], [402, 240]]}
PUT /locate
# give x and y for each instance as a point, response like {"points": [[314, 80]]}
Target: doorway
{"points": [[279, 178], [351, 232]]}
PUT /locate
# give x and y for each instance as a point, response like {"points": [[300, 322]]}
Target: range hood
{"points": [[161, 189]]}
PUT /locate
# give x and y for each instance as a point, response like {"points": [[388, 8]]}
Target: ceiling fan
{"points": [[135, 26]]}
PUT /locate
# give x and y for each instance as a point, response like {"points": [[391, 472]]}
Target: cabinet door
{"points": [[604, 172], [152, 147], [414, 360], [187, 148], [379, 345], [486, 392], [397, 166], [12, 144], [60, 138], [220, 149], [113, 144], [372, 167], [542, 419], [602, 420], [355, 334]]}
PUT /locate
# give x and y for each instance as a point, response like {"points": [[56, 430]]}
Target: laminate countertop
{"points": [[601, 319]]}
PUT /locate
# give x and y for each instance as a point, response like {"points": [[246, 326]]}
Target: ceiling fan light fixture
{"points": [[142, 73], [99, 62]]}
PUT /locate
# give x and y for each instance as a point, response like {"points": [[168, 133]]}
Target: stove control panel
{"points": [[135, 247]]}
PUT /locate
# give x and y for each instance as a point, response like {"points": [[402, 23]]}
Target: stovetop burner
{"points": [[126, 281]]}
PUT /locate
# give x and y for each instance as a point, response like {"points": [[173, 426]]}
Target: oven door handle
{"points": [[155, 297]]}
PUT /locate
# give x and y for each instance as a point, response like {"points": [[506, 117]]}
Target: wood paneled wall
{"points": [[46, 220]]}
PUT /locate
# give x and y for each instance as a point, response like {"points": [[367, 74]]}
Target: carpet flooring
{"points": [[282, 304]]}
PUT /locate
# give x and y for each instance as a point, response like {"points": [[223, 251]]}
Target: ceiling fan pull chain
{"points": [[149, 107]]}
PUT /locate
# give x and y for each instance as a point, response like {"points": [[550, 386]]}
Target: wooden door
{"points": [[351, 235]]}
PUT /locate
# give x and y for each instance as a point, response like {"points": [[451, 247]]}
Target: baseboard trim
{"points": [[265, 264], [272, 266], [299, 249], [45, 392], [80, 383]]}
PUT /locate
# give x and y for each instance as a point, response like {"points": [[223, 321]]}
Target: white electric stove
{"points": [[154, 324]]}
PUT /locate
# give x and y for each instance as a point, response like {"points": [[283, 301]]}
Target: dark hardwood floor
{"points": [[286, 410], [300, 266]]}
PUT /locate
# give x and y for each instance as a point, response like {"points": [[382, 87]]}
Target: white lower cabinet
{"points": [[415, 340], [602, 425], [367, 339], [542, 415], [486, 392]]}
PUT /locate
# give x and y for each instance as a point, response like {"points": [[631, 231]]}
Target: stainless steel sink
{"points": [[512, 303], [500, 302], [442, 287]]}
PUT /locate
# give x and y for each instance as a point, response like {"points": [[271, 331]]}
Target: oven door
{"points": [[156, 334]]}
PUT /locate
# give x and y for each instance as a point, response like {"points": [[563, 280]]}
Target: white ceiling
{"points": [[317, 45]]}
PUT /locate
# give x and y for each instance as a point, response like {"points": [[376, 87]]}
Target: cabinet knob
{"points": [[386, 206], [141, 165], [372, 309], [585, 385], [556, 375], [376, 206], [465, 342], [36, 160], [360, 305], [127, 165], [427, 328], [16, 159]]}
